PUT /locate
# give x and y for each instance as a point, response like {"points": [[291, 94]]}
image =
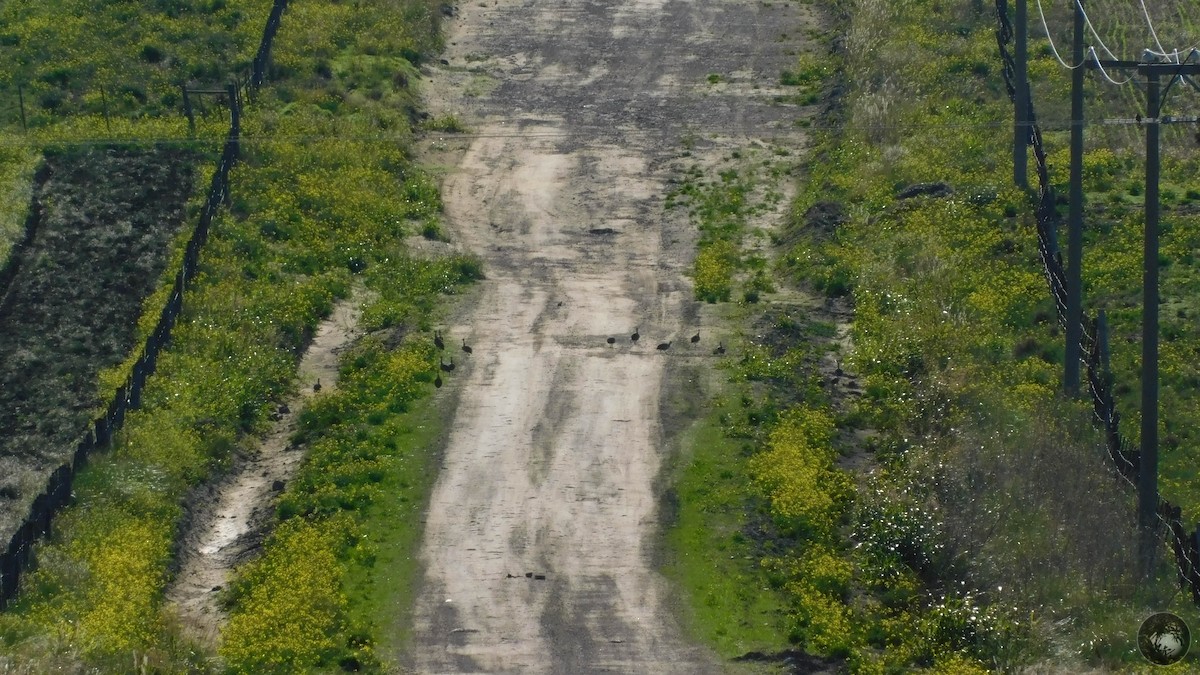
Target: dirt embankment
{"points": [[540, 536]]}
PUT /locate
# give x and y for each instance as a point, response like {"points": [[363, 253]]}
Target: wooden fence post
{"points": [[21, 101], [187, 109]]}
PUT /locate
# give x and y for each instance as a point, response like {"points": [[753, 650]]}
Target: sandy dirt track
{"points": [[580, 114]]}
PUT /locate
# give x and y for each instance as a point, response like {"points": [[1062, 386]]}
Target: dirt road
{"points": [[540, 538]]}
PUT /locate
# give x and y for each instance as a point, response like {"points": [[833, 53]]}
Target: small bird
{"points": [[451, 366], [437, 340], [466, 347], [317, 386], [838, 371], [664, 346], [696, 337], [437, 381], [612, 340], [635, 335], [720, 349], [446, 367]]}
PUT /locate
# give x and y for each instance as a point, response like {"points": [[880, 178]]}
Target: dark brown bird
{"points": [[446, 367], [466, 348], [720, 349], [437, 340], [317, 386], [437, 381], [612, 340], [696, 337], [664, 346], [635, 335]]}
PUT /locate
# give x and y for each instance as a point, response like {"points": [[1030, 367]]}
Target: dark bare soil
{"points": [[101, 243]]}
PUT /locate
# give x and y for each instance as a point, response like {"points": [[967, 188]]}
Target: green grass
{"points": [[712, 561], [382, 594], [16, 172]]}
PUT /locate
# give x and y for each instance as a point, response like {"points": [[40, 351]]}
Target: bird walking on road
{"points": [[466, 347], [696, 337], [635, 336], [437, 381], [437, 340], [720, 349], [317, 386], [664, 346], [612, 340], [446, 367]]}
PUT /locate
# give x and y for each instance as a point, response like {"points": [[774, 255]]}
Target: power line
{"points": [[1100, 67], [1050, 39], [1092, 29], [608, 133], [1150, 24]]}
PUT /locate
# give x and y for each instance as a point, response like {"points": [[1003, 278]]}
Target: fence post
{"points": [[187, 109], [1021, 99], [1193, 548], [104, 102], [21, 101]]}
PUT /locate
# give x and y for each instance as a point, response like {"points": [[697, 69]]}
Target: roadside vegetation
{"points": [[933, 503], [323, 199]]}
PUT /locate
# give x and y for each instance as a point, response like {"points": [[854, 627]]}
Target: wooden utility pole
{"points": [[1148, 453], [1021, 99], [1075, 217], [1148, 472]]}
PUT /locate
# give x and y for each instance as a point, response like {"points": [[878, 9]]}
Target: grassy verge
{"points": [[16, 172], [712, 560], [382, 594]]}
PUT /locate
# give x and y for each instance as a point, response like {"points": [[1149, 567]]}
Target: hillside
{"points": [[668, 337]]}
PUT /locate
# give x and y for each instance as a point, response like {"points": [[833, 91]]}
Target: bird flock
{"points": [[440, 343], [719, 350]]}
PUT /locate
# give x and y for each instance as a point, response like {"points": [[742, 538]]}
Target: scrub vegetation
{"points": [[323, 199], [933, 503], [937, 504]]}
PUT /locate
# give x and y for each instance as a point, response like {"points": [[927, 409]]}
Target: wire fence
{"points": [[1094, 336], [17, 556]]}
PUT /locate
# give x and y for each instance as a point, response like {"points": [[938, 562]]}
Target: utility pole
{"points": [[1148, 471], [1147, 483], [1021, 100], [1075, 217]]}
